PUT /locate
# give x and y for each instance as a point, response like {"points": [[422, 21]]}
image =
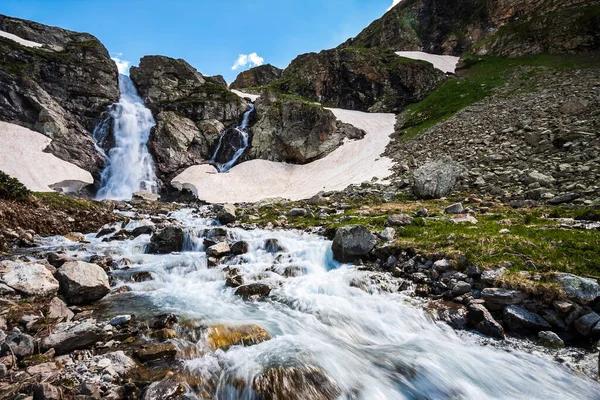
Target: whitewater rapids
{"points": [[373, 341]]}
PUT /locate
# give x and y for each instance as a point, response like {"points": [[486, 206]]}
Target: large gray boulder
{"points": [[31, 279], [69, 336], [497, 298], [582, 290], [83, 283], [168, 240], [352, 242], [436, 179]]}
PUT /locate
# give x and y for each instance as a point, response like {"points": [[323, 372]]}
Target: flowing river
{"points": [[373, 341]]}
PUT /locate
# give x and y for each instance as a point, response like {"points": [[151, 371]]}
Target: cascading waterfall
{"points": [[373, 341], [243, 137], [130, 167]]}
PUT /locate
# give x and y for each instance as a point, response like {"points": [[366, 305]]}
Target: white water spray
{"points": [[244, 134], [130, 167]]}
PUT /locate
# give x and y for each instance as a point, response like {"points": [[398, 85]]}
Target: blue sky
{"points": [[210, 35]]}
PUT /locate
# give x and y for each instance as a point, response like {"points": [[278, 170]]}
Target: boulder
{"points": [[223, 336], [227, 214], [294, 383], [436, 179], [58, 311], [168, 240], [142, 230], [497, 298], [82, 283], [399, 220], [153, 352], [165, 390], [263, 75], [46, 391], [253, 291], [30, 279], [239, 248], [352, 242], [461, 288], [144, 195], [298, 212], [69, 336], [18, 344], [519, 319], [454, 209], [551, 339], [273, 246], [218, 250], [585, 324], [480, 319], [581, 290]]}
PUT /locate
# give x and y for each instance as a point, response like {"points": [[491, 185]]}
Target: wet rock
{"points": [[582, 290], [293, 383], [239, 248], [227, 214], [585, 324], [454, 209], [18, 344], [58, 311], [142, 230], [164, 321], [105, 232], [165, 390], [30, 279], [168, 240], [156, 352], [519, 319], [218, 250], [76, 237], [164, 334], [120, 320], [551, 339], [69, 336], [480, 319], [352, 242], [56, 260], [399, 220], [144, 195], [223, 336], [273, 246], [83, 283], [497, 299], [234, 281], [253, 291], [436, 179], [143, 276], [453, 314]]}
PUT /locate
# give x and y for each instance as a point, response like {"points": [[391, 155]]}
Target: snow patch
{"points": [[22, 157], [352, 163], [445, 63], [252, 97], [21, 41]]}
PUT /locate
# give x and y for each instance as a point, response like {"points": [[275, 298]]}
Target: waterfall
{"points": [[129, 166], [221, 160]]}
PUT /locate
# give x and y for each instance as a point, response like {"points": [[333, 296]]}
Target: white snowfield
{"points": [[445, 63], [252, 97], [21, 41], [354, 162], [22, 157]]}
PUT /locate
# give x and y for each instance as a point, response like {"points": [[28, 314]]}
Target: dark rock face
{"points": [[295, 131], [519, 319], [360, 79], [169, 240], [253, 291], [506, 27], [481, 319], [258, 76], [60, 90], [191, 111], [352, 242]]}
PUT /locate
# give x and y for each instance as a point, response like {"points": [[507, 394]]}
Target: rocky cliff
{"points": [[59, 83], [296, 131], [360, 79], [501, 27], [190, 109], [258, 76]]}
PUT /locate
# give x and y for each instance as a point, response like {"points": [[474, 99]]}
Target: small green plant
{"points": [[12, 189]]}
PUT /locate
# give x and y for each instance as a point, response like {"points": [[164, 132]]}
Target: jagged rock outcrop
{"points": [[258, 76], [504, 27], [191, 110], [296, 131], [60, 88], [360, 79]]}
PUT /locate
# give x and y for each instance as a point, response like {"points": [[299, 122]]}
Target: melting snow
{"points": [[444, 63]]}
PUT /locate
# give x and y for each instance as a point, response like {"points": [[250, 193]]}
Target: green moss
{"points": [[61, 202], [12, 189]]}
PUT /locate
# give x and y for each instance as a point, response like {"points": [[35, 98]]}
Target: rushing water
{"points": [[130, 167], [241, 135], [373, 341]]}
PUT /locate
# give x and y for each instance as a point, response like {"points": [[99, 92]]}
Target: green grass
{"points": [[476, 81], [61, 202]]}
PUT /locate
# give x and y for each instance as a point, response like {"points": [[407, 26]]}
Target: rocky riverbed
{"points": [[200, 302]]}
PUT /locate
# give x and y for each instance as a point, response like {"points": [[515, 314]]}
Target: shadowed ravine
{"points": [[371, 341]]}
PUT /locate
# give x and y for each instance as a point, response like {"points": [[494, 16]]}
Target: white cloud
{"points": [[250, 60], [394, 4], [122, 65]]}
